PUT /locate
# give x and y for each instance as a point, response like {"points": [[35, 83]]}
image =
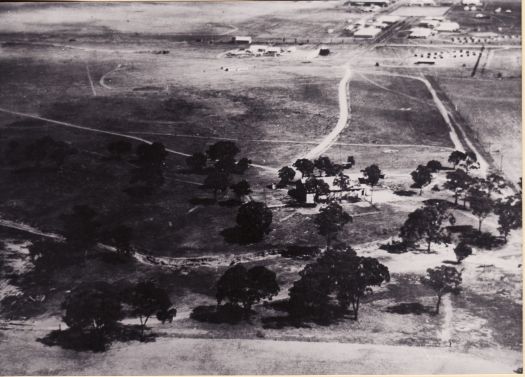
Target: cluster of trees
{"points": [[219, 163], [44, 152], [83, 228], [98, 307]]}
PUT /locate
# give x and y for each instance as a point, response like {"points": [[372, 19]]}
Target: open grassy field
{"points": [[493, 108]]}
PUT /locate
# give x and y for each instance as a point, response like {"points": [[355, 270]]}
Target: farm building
{"points": [[354, 190], [420, 32], [258, 49], [273, 51], [367, 32], [448, 27], [242, 39], [426, 23], [380, 3]]}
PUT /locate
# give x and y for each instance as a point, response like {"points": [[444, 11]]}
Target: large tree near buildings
{"points": [[245, 287], [426, 224], [443, 280], [373, 174], [480, 204], [254, 220], [286, 175], [216, 181], [316, 186], [493, 183], [305, 166], [422, 176], [323, 164], [330, 221], [337, 273]]}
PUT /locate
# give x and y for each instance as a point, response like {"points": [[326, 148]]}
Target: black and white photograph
{"points": [[329, 187]]}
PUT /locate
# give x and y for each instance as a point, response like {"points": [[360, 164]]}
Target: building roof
{"points": [[420, 32], [367, 32], [387, 19], [448, 26]]}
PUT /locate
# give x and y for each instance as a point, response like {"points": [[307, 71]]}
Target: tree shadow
{"points": [[453, 262], [405, 193], [237, 235], [227, 313], [202, 201], [410, 308], [95, 340]]}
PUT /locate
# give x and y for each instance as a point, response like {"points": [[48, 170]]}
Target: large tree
{"points": [[462, 250], [221, 150], [458, 181], [286, 175], [323, 164], [509, 211], [316, 186], [241, 189], [254, 220], [422, 176], [456, 157], [337, 273], [216, 181], [330, 221], [241, 286], [373, 174], [426, 224], [146, 299], [93, 306], [442, 279], [305, 166], [197, 161], [480, 204]]}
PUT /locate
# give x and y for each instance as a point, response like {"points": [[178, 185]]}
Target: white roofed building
{"points": [[420, 32], [448, 27], [367, 32]]}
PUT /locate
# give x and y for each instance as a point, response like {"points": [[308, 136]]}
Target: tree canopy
{"points": [[331, 220], [442, 279], [254, 220], [422, 176]]}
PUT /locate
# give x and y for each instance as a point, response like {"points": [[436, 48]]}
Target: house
{"points": [[420, 32], [367, 32], [448, 27], [242, 39], [368, 3]]}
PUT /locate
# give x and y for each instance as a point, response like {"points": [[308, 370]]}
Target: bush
{"points": [[483, 240], [434, 165], [395, 247], [435, 188], [227, 313]]}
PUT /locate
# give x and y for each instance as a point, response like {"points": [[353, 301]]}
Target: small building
{"points": [[420, 32], [324, 51], [471, 2], [273, 51], [242, 39], [368, 3], [367, 32], [448, 27], [258, 49], [431, 24], [388, 19]]}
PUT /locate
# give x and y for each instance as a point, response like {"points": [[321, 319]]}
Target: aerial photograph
{"points": [[261, 187]]}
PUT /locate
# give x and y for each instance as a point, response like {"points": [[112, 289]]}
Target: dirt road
{"points": [[344, 114]]}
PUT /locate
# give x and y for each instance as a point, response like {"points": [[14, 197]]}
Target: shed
{"points": [[242, 39], [420, 32], [367, 32], [448, 27]]}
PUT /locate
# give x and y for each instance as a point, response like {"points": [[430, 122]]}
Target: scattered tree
{"points": [[458, 181], [246, 287], [254, 220], [509, 211], [330, 221], [216, 181], [462, 250], [323, 164], [480, 204], [422, 176], [286, 175], [197, 161], [241, 189], [305, 166], [442, 279], [92, 306], [456, 158], [373, 175], [146, 299], [426, 223], [222, 150], [434, 166]]}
